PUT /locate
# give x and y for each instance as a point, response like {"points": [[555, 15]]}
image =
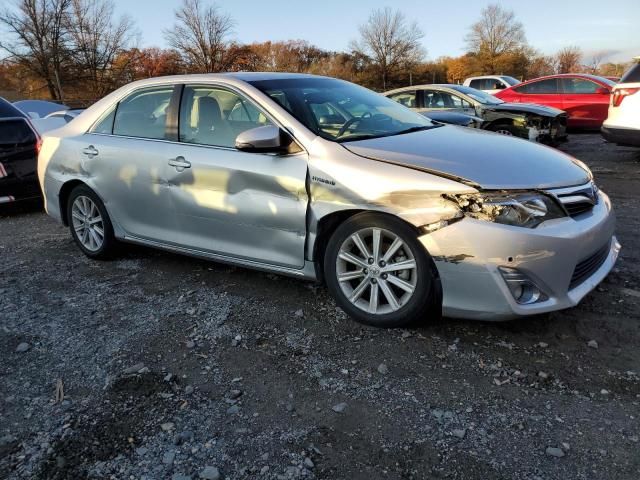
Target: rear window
{"points": [[16, 132], [8, 110], [632, 75]]}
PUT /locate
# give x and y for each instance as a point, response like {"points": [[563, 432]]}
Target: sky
{"points": [[331, 24]]}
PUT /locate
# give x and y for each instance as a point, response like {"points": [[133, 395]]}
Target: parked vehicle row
{"points": [[318, 178], [532, 122]]}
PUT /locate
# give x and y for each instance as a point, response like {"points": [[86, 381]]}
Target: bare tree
{"points": [[390, 41], [595, 59], [35, 39], [202, 34], [568, 60], [497, 33], [96, 39]]}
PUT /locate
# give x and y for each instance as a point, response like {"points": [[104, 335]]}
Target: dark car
{"points": [[529, 121], [19, 145]]}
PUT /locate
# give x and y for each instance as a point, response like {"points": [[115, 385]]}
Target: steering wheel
{"points": [[352, 121]]}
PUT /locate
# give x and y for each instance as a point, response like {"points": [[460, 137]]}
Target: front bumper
{"points": [[621, 136], [468, 253]]}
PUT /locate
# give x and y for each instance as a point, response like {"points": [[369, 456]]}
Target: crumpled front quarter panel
{"points": [[340, 180]]}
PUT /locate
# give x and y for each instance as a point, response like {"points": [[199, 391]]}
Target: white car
{"points": [[622, 125], [491, 83]]}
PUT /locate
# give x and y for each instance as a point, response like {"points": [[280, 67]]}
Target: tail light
{"points": [[621, 94], [38, 144]]}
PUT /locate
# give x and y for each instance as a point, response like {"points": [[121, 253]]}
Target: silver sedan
{"points": [[321, 179]]}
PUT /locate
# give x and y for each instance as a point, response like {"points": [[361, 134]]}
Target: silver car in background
{"points": [[321, 179]]}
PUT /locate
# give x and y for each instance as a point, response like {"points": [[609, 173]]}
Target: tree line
{"points": [[80, 50]]}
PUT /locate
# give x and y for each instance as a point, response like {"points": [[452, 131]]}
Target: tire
{"points": [[87, 217], [354, 292], [508, 130]]}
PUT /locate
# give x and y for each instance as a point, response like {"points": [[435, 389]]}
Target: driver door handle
{"points": [[179, 163]]}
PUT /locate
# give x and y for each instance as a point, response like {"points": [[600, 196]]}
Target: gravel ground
{"points": [[159, 366]]}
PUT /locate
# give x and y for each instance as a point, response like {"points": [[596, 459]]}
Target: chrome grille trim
{"points": [[577, 200]]}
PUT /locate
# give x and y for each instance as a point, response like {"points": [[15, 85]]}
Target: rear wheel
{"points": [[90, 224], [379, 272]]}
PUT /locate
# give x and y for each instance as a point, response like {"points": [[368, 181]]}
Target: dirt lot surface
{"points": [[158, 366]]}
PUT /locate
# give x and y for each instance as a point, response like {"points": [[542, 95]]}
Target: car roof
{"points": [[566, 75]]}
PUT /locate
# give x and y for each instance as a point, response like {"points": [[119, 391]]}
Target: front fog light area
{"points": [[522, 288]]}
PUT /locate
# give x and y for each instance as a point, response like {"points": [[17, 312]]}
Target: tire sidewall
{"points": [[108, 245], [425, 292]]}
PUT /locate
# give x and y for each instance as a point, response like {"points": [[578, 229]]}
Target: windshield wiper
{"points": [[368, 136], [363, 136], [415, 129]]}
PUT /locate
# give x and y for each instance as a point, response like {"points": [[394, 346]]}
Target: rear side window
{"points": [[408, 99], [579, 86], [547, 86], [143, 113], [16, 132], [481, 84], [105, 125], [632, 75]]}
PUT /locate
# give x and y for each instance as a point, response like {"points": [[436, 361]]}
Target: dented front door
{"points": [[245, 205]]}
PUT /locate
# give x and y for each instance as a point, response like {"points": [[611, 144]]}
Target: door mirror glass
{"points": [[267, 139]]}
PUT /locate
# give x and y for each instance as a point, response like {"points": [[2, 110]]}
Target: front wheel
{"points": [[508, 130], [379, 273]]}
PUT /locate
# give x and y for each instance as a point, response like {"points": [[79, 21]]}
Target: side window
{"points": [[478, 84], [105, 125], [436, 99], [214, 116], [143, 113], [547, 86], [579, 85], [408, 99]]}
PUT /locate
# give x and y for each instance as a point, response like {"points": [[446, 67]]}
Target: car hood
{"points": [[483, 159], [525, 107]]}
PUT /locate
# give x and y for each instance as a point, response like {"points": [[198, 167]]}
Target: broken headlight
{"points": [[522, 209]]}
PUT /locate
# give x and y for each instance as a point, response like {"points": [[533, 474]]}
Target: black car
{"points": [[526, 120], [19, 144]]}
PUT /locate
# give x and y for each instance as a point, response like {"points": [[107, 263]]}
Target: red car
{"points": [[585, 98]]}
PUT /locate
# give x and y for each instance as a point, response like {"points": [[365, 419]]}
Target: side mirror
{"points": [[267, 139], [603, 91]]}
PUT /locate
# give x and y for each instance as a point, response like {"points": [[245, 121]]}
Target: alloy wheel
{"points": [[376, 270], [502, 131], [87, 223]]}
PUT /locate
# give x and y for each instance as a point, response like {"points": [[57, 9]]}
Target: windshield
{"points": [[477, 95], [341, 111], [510, 80]]}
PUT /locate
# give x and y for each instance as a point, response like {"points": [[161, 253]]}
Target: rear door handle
{"points": [[179, 163], [90, 151]]}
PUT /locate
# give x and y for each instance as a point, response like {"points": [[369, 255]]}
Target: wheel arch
{"points": [[327, 225], [63, 197]]}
